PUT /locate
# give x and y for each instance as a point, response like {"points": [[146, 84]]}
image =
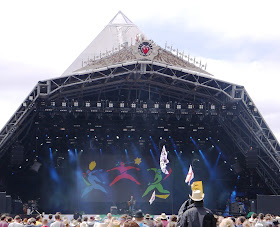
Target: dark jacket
{"points": [[196, 215]]}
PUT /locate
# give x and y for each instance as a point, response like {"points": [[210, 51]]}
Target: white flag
{"points": [[152, 199], [190, 175], [163, 160]]}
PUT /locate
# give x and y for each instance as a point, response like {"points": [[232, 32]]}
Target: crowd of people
{"points": [[138, 220]]}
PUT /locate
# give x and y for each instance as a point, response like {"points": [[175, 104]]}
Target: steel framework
{"points": [[247, 129]]}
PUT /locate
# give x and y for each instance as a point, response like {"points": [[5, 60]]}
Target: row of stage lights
{"points": [[137, 104]]}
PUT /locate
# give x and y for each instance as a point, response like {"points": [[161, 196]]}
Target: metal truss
{"points": [[180, 84]]}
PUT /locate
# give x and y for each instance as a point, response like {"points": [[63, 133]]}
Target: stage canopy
{"points": [[115, 106]]}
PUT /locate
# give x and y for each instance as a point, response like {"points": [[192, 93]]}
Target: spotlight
{"points": [[63, 104], [190, 106], [98, 104], [156, 105], [167, 105], [122, 105], [117, 137], [192, 151], [224, 107], [201, 106], [145, 105], [213, 107], [76, 104], [133, 105], [87, 104], [111, 105], [181, 152], [52, 103], [179, 106], [225, 162]]}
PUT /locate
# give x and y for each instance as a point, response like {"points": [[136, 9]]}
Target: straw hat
{"points": [[197, 195], [101, 224], [147, 216], [163, 216], [97, 217], [115, 223]]}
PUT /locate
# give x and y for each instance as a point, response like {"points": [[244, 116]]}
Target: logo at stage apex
{"points": [[145, 48]]}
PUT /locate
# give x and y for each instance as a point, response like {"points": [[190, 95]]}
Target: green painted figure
{"points": [[156, 184]]}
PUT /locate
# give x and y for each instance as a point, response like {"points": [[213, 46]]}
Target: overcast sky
{"points": [[239, 40]]}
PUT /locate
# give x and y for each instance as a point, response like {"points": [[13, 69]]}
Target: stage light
{"points": [[63, 104], [225, 162], [190, 137], [169, 137], [111, 105], [98, 104], [218, 140], [230, 169], [190, 106], [76, 104], [26, 160], [212, 145], [234, 107], [30, 98], [87, 104], [210, 138], [255, 110], [192, 151], [33, 151], [108, 136], [181, 152], [24, 104], [156, 105], [122, 105], [224, 107], [52, 103], [179, 106], [19, 167], [133, 105], [213, 107], [167, 105], [145, 106], [201, 106], [160, 138]]}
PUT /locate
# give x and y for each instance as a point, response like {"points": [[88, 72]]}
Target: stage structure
{"points": [[123, 74]]}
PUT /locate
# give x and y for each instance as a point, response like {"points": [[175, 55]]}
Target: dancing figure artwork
{"points": [[92, 181], [123, 173], [157, 184]]}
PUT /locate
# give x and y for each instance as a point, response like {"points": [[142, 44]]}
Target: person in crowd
{"points": [[246, 223], [3, 222], [97, 220], [24, 222], [130, 224], [74, 223], [31, 222], [148, 221], [240, 221], [44, 222], [173, 221], [139, 218], [253, 218], [196, 214], [260, 219], [17, 222], [77, 215], [226, 222], [163, 218], [66, 222], [38, 220], [50, 220], [108, 218], [9, 220], [84, 222], [91, 221], [58, 222], [122, 219]]}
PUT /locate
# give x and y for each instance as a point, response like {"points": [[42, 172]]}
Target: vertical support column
{"points": [[49, 87]]}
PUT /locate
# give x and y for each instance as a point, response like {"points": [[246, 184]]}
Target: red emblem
{"points": [[145, 48]]}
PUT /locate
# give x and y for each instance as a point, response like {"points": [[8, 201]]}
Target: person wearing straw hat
{"points": [[196, 214]]}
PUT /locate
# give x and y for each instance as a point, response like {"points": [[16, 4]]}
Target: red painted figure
{"points": [[123, 173]]}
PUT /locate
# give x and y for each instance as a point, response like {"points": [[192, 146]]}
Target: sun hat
{"points": [[197, 195]]}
